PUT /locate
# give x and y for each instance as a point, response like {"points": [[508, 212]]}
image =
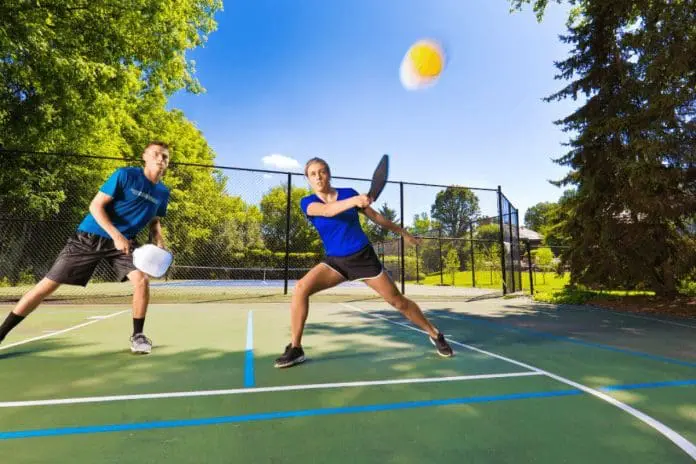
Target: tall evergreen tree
{"points": [[634, 62]]}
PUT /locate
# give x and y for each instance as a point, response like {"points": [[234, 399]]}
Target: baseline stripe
{"points": [[239, 391], [277, 415]]}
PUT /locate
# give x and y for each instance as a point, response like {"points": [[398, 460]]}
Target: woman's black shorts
{"points": [[362, 265]]}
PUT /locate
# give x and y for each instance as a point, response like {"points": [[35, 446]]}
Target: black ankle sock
{"points": [[10, 323], [138, 325]]}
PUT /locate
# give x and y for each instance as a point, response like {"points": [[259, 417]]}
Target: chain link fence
{"points": [[239, 232], [541, 267]]}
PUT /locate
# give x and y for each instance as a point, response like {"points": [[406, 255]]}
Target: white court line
{"points": [[688, 447], [239, 391], [84, 324], [250, 331], [249, 378]]}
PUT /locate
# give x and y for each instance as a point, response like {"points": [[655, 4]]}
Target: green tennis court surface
{"points": [[529, 383]]}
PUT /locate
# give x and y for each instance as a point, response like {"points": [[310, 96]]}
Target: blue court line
{"points": [[249, 353], [637, 386], [320, 412], [537, 333], [277, 415]]}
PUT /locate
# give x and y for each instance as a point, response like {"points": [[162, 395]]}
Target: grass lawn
{"points": [[544, 282]]}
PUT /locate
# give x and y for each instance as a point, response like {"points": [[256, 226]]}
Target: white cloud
{"points": [[278, 161], [268, 176]]}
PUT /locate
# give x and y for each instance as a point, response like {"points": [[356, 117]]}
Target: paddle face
{"points": [[379, 178], [152, 260]]}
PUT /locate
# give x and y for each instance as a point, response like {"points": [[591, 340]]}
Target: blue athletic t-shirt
{"points": [[136, 201], [341, 234]]}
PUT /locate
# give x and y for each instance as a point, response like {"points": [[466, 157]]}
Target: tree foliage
{"points": [[377, 233], [538, 216], [422, 224], [634, 145], [455, 208], [452, 263], [89, 77], [303, 236], [65, 64]]}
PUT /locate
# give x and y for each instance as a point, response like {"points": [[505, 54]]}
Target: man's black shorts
{"points": [[79, 258], [361, 265]]}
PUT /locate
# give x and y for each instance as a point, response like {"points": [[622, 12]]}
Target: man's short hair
{"points": [[158, 143]]}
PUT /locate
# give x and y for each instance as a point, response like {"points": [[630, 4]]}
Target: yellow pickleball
{"points": [[427, 58]]}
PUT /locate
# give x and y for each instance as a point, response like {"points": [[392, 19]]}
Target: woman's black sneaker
{"points": [[292, 356], [443, 348]]}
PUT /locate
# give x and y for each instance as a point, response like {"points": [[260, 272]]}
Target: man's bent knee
{"points": [[139, 279]]}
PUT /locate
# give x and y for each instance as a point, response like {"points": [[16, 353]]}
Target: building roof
{"points": [[529, 234]]}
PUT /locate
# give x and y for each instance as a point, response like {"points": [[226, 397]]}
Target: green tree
{"points": [[452, 263], [377, 233], [487, 258], [63, 63], [547, 219], [198, 210], [543, 259], [199, 206], [73, 76], [303, 236], [455, 208], [429, 254], [428, 251], [243, 230], [553, 230], [538, 216], [487, 248], [421, 224], [487, 232], [633, 144]]}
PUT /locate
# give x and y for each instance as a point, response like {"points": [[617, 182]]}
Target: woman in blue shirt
{"points": [[349, 256]]}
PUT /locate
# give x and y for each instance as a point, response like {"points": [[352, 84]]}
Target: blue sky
{"points": [[310, 78]]}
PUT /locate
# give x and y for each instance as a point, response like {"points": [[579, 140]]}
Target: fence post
{"points": [[417, 267], [473, 266], [287, 234], [512, 254], [439, 243], [403, 254], [502, 238], [531, 273], [519, 249]]}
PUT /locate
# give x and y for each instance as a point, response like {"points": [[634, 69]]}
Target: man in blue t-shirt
{"points": [[131, 199]]}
